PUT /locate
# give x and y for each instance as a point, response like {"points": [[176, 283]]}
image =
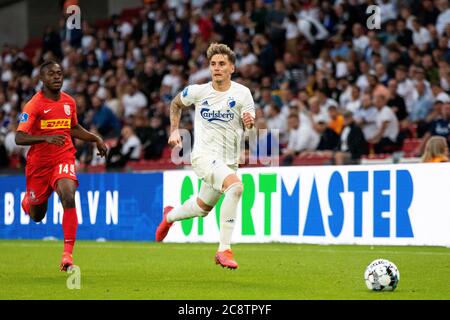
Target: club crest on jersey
{"points": [[231, 102], [216, 115], [32, 196], [23, 117], [185, 92], [67, 109]]}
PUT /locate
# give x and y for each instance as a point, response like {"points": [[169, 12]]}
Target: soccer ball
{"points": [[381, 274]]}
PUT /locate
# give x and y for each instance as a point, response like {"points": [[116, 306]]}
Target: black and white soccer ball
{"points": [[381, 275]]}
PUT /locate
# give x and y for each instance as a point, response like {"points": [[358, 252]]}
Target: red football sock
{"points": [[70, 225]]}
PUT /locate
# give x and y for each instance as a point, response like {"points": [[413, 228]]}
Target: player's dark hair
{"points": [[46, 64]]}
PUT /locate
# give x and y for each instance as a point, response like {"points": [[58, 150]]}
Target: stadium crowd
{"points": [[318, 75]]}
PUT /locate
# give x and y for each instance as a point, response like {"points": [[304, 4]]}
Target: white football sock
{"points": [[188, 209], [228, 214]]}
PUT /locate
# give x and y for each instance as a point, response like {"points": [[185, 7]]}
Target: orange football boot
{"points": [[164, 226], [66, 262], [225, 259]]}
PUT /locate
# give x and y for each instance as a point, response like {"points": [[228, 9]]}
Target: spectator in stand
{"points": [[127, 149], [360, 40], [428, 13], [352, 144], [421, 107], [153, 136], [173, 79], [111, 101], [380, 72], [376, 88], [302, 137], [405, 86], [439, 94], [244, 56], [316, 112], [329, 139], [436, 150], [366, 116], [354, 103], [324, 101], [292, 33], [133, 100], [104, 119], [421, 36], [282, 77], [436, 112], [438, 127], [336, 122], [404, 34], [314, 32], [276, 120], [265, 53], [396, 102], [443, 18], [12, 149], [149, 78], [52, 42], [430, 68], [385, 141]]}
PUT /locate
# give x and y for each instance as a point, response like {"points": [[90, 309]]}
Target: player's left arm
{"points": [[248, 112], [81, 133]]}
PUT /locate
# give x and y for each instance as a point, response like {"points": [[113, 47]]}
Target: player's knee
{"points": [[204, 208], [68, 199], [203, 214], [37, 216], [235, 189]]}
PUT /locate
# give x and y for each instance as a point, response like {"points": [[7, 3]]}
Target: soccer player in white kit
{"points": [[222, 108]]}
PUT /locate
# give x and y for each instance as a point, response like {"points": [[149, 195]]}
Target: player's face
{"points": [[52, 77], [221, 68]]}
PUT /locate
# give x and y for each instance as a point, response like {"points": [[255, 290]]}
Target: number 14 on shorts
{"points": [[66, 168]]}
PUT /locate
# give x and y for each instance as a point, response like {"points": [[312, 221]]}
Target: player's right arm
{"points": [[26, 122], [25, 139], [176, 108]]}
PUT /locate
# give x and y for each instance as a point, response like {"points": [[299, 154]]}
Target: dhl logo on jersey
{"points": [[55, 124]]}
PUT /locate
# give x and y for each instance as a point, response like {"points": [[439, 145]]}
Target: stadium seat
{"points": [[409, 146], [312, 159], [150, 165], [381, 158], [102, 23], [167, 152], [31, 47], [92, 169], [129, 13]]}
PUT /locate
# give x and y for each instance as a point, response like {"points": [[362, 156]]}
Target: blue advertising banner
{"points": [[111, 206]]}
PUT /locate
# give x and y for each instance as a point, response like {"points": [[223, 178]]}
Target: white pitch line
{"points": [[290, 247]]}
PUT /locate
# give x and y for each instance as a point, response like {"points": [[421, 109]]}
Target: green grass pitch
{"points": [[139, 270]]}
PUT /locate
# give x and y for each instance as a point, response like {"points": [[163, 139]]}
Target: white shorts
{"points": [[213, 171]]}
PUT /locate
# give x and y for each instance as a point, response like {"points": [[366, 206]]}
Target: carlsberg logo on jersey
{"points": [[383, 204], [216, 115]]}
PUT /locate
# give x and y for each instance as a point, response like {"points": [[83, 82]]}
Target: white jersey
{"points": [[218, 120]]}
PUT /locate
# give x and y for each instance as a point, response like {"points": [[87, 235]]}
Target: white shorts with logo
{"points": [[212, 172]]}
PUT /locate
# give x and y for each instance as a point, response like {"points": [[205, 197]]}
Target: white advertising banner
{"points": [[401, 204]]}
